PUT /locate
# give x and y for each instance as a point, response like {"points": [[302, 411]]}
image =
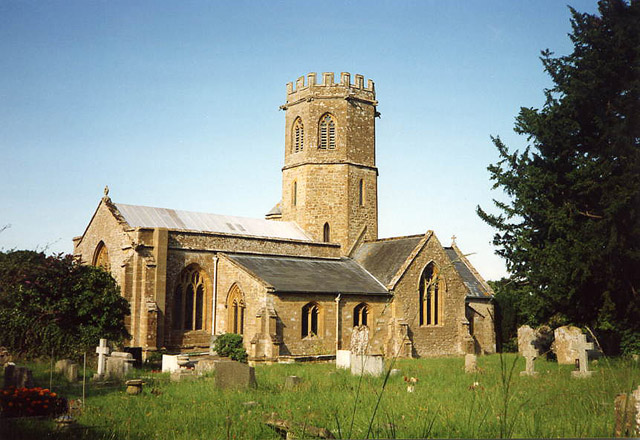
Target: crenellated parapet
{"points": [[326, 86]]}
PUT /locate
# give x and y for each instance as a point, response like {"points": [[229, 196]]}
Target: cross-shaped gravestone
{"points": [[103, 352], [530, 353], [583, 357]]}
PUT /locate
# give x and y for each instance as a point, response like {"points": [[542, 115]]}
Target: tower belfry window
{"points": [[298, 135], [326, 233], [327, 133]]}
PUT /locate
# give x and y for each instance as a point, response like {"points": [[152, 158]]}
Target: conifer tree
{"points": [[570, 230]]}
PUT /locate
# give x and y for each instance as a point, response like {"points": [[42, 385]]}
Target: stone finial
{"points": [[345, 79], [453, 240], [359, 81], [311, 79]]}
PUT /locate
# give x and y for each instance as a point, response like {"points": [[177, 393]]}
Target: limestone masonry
{"points": [[311, 274]]}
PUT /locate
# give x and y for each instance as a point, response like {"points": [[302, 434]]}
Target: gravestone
{"points": [[566, 344], [232, 374], [470, 363], [170, 363], [19, 377], [360, 340], [205, 365], [134, 386], [136, 352], [583, 357], [526, 340], [103, 352], [627, 410], [119, 364], [68, 369], [292, 382], [372, 365], [183, 374], [343, 359]]}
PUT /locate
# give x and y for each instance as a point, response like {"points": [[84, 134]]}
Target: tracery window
{"points": [[310, 320], [430, 296], [360, 315], [101, 257], [298, 135], [326, 233], [236, 308], [188, 300], [327, 132]]}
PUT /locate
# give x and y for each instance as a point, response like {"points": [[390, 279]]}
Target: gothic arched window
{"points": [[430, 296], [188, 300], [360, 315], [327, 132], [235, 308], [298, 135], [326, 233], [311, 316], [101, 257]]}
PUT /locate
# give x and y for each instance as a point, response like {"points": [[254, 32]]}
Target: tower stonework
{"points": [[329, 178]]}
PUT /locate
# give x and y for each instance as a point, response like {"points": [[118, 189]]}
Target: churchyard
{"points": [[434, 397]]}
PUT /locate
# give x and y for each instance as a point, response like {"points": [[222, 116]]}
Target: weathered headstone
{"points": [[526, 340], [470, 363], [583, 357], [183, 374], [627, 409], [372, 365], [119, 364], [103, 352], [205, 365], [62, 365], [292, 382], [68, 369], [343, 359], [19, 377], [566, 344], [232, 374], [360, 340]]}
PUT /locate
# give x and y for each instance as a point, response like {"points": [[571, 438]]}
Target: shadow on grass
{"points": [[33, 428]]}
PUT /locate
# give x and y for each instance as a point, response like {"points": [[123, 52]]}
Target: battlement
{"points": [[328, 83]]}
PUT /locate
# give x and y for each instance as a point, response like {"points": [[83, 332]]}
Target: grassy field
{"points": [[446, 403]]}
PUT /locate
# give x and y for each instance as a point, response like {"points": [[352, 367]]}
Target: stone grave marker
{"points": [[134, 386], [19, 377], [119, 364], [627, 410], [343, 359], [205, 365], [183, 374], [292, 382], [103, 352], [232, 374], [68, 369], [583, 357], [170, 363], [470, 363], [360, 340], [372, 365], [526, 340], [565, 344]]}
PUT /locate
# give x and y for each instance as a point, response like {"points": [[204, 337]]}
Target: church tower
{"points": [[329, 178]]}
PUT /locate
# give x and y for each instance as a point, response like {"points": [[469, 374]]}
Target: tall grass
{"points": [[445, 404]]}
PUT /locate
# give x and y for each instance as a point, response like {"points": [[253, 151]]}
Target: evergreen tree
{"points": [[570, 231]]}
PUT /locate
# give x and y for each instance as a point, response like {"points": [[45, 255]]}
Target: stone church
{"points": [[297, 283]]}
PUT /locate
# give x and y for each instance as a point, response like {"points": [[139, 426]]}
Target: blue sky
{"points": [[175, 104]]}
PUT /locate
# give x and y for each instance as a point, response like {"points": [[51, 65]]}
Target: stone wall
{"points": [[446, 337]]}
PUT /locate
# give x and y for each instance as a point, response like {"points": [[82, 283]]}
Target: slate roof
{"points": [[148, 217], [276, 210], [475, 287], [383, 258], [311, 275]]}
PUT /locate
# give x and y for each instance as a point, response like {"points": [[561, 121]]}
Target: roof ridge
{"points": [[395, 238]]}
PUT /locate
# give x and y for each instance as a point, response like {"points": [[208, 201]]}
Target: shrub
{"points": [[54, 303], [230, 344]]}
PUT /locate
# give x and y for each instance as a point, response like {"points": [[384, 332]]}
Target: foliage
{"points": [[26, 402], [570, 229], [230, 345], [55, 304]]}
